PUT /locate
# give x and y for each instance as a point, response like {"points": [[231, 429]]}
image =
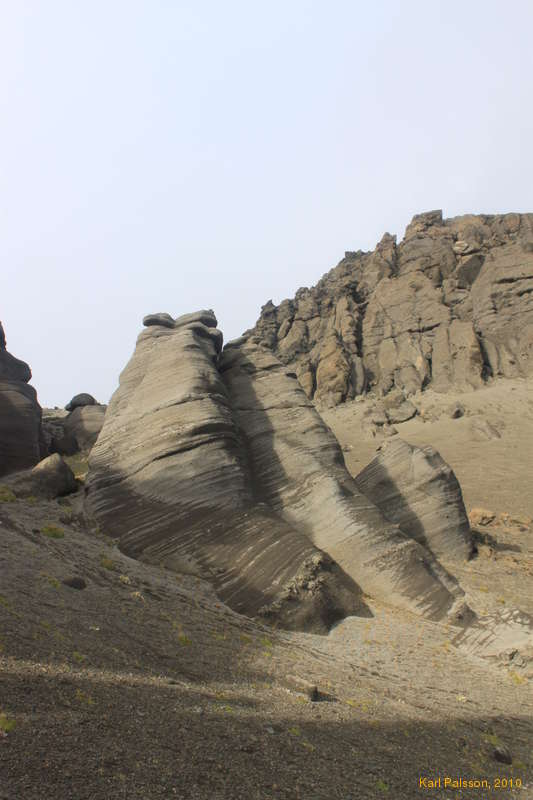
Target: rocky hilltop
{"points": [[451, 306]]}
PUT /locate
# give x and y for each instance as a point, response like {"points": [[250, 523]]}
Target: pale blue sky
{"points": [[167, 156]]}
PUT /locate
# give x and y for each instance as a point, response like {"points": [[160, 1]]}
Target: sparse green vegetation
{"points": [[84, 698], [79, 657], [31, 499], [53, 532], [184, 640], [79, 465], [53, 582], [107, 563], [6, 495], [382, 786], [6, 724]]}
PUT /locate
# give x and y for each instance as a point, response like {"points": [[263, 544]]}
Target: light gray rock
{"points": [[170, 476], [417, 490], [299, 472], [219, 465], [50, 478], [84, 424], [163, 319]]}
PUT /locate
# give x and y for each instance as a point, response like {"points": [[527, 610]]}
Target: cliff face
{"points": [[450, 306]]}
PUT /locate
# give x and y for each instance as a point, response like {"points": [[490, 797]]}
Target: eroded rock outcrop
{"points": [[450, 306], [77, 430], [218, 464], [21, 443], [417, 490], [50, 478]]}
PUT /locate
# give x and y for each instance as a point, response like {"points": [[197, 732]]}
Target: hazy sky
{"points": [[169, 156]]}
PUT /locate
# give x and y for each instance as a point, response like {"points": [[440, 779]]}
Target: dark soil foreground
{"points": [[143, 685]]}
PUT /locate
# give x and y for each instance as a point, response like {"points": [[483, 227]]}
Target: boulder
{"points": [[83, 425], [165, 320], [80, 400], [50, 478], [415, 488]]}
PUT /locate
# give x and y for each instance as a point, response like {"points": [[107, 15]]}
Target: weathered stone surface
{"points": [[80, 400], [21, 443], [221, 466], [84, 424], [170, 476], [50, 478], [449, 307], [417, 490], [158, 319]]}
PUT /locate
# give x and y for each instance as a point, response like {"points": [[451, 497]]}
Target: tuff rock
{"points": [[218, 464]]}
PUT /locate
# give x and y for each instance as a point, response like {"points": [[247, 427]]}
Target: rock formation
{"points": [[418, 491], [450, 306], [76, 431], [21, 443], [50, 478], [217, 463]]}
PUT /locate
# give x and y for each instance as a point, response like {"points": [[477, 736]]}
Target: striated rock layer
{"points": [[218, 464], [21, 443], [416, 489], [450, 306]]}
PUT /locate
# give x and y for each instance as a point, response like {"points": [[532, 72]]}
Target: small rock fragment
{"points": [[481, 516], [75, 583], [503, 754]]}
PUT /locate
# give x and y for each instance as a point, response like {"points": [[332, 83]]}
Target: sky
{"points": [[159, 155]]}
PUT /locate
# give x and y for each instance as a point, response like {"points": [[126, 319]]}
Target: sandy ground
{"points": [[144, 685], [490, 447]]}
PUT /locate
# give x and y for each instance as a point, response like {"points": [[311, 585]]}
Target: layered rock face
{"points": [[218, 464], [21, 443], [450, 306], [418, 491]]}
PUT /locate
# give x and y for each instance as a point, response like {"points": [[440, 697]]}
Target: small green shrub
{"points": [[79, 657], [184, 640], [106, 562], [53, 532], [6, 724], [6, 495]]}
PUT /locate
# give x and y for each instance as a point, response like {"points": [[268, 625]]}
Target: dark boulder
{"points": [[80, 400], [21, 442]]}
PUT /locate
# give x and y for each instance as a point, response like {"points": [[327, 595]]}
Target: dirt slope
{"points": [[143, 685]]}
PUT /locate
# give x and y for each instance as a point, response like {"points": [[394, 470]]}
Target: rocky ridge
{"points": [[450, 306]]}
